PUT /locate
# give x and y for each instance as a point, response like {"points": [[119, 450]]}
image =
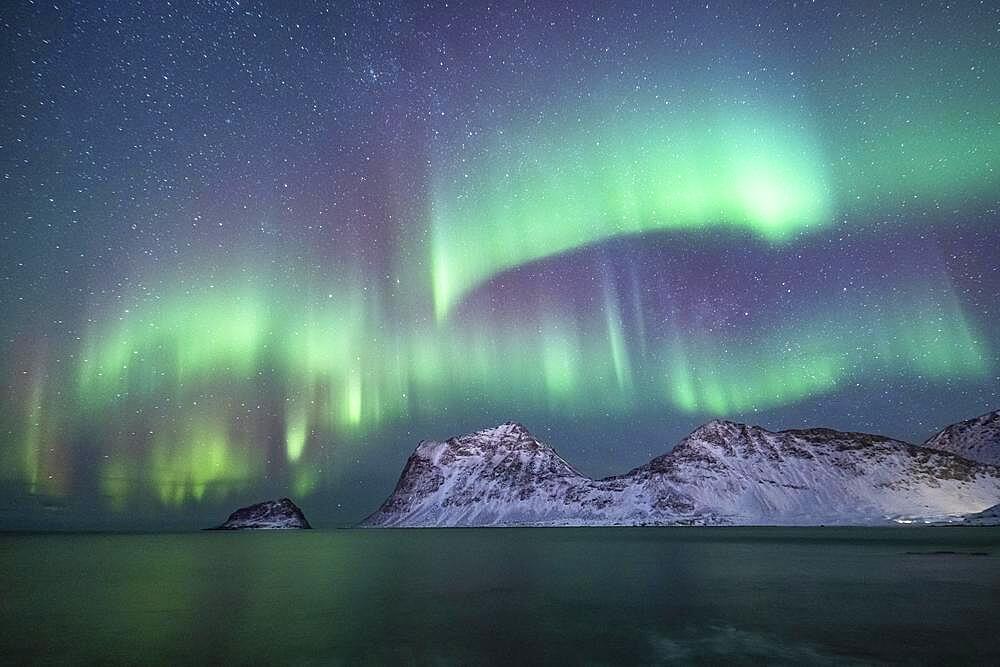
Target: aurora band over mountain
{"points": [[268, 301]]}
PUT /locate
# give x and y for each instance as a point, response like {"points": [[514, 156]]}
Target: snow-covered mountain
{"points": [[975, 439], [268, 515], [988, 517], [722, 473]]}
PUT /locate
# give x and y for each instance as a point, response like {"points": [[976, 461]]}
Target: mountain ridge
{"points": [[722, 473], [977, 439]]}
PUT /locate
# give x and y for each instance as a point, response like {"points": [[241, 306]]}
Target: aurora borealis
{"points": [[252, 250]]}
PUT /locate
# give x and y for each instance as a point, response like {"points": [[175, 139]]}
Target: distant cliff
{"points": [[723, 473], [268, 515]]}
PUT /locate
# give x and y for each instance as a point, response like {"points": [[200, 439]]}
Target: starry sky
{"points": [[253, 249]]}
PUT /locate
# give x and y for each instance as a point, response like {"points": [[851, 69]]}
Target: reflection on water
{"points": [[727, 644], [604, 596]]}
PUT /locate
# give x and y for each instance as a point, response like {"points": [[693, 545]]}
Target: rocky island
{"points": [[269, 515]]}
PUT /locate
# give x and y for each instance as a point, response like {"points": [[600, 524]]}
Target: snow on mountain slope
{"points": [[723, 473], [747, 474], [975, 439], [496, 476], [988, 517]]}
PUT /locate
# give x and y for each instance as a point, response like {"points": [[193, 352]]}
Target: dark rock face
{"points": [[268, 515]]}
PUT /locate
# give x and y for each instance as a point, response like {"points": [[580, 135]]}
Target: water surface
{"points": [[460, 596]]}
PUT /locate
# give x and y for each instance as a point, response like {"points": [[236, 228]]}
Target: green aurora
{"points": [[553, 189], [219, 380], [174, 392], [580, 177]]}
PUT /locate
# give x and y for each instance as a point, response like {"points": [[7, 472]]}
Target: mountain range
{"points": [[723, 473]]}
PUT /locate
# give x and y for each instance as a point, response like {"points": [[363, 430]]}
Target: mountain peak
{"points": [[717, 426], [507, 429], [976, 439], [465, 477], [719, 432], [509, 434]]}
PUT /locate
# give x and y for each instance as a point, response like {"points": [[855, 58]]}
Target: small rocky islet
{"points": [[280, 514]]}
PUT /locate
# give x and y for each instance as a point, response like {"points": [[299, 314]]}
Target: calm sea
{"points": [[505, 596]]}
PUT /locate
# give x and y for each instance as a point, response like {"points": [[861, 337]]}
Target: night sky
{"points": [[256, 249]]}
